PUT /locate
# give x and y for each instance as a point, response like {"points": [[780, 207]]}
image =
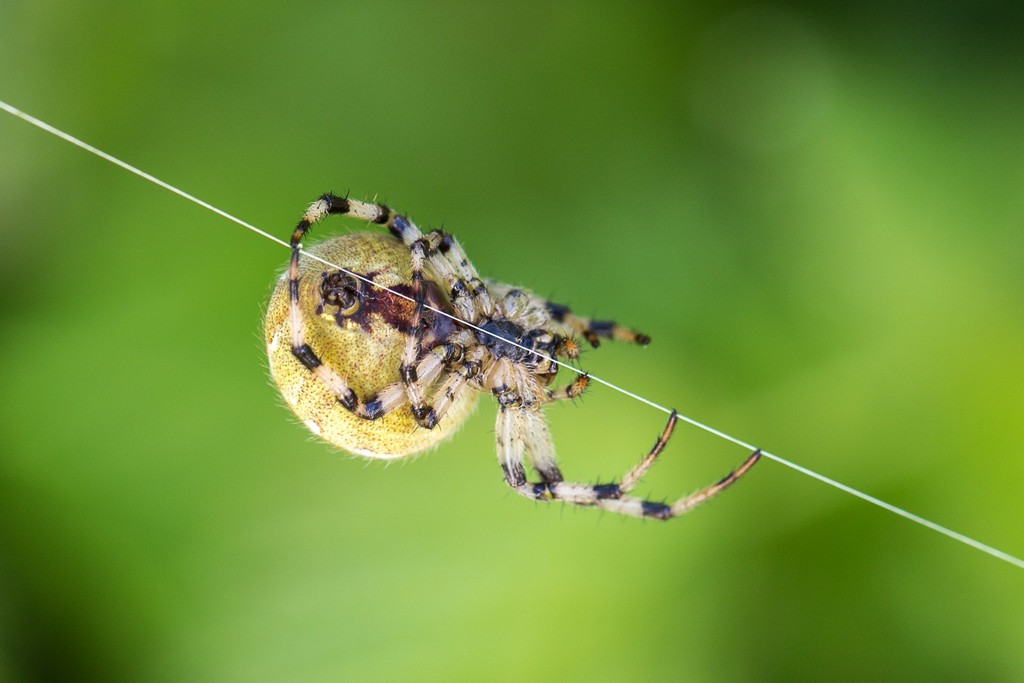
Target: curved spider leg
{"points": [[399, 225], [387, 400], [338, 385], [633, 476], [684, 505], [627, 505], [513, 425], [376, 407]]}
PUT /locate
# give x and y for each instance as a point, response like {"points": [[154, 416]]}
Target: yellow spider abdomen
{"points": [[362, 342]]}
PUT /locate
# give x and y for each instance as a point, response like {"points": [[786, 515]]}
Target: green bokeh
{"points": [[817, 214]]}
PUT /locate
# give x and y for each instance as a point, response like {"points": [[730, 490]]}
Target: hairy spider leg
{"points": [[594, 330], [522, 430], [591, 330]]}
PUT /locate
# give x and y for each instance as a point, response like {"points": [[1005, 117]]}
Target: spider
{"points": [[365, 362]]}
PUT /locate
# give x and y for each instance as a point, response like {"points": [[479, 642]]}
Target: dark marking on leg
{"points": [[515, 475], [453, 353], [336, 204], [605, 491], [373, 409], [541, 491], [471, 369], [557, 311], [399, 226], [425, 415], [300, 231], [349, 400], [656, 510], [383, 216], [408, 373], [609, 329], [307, 357], [459, 290]]}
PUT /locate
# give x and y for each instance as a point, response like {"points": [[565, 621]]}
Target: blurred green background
{"points": [[817, 214]]}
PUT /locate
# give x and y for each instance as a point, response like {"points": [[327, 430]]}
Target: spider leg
{"points": [[635, 507], [540, 447], [594, 330], [389, 399], [411, 356], [591, 330], [468, 292], [633, 476], [400, 226], [519, 430], [569, 391], [512, 429], [462, 371]]}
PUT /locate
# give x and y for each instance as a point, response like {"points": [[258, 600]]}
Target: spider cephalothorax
{"points": [[381, 344]]}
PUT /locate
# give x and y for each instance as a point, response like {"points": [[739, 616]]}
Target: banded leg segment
{"points": [[594, 330], [380, 214]]}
